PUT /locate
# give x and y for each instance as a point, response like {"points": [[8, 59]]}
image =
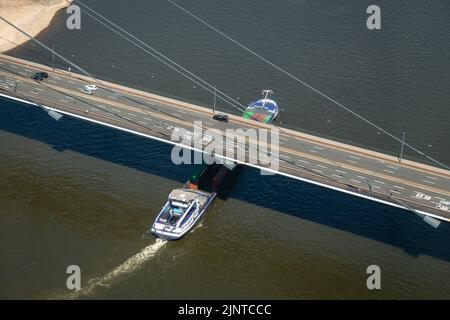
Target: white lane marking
{"points": [[70, 81], [376, 187], [112, 97], [52, 81], [148, 119], [39, 89], [316, 147], [351, 161], [132, 114], [303, 161], [115, 110], [395, 168], [283, 156], [34, 92], [420, 195], [283, 138], [377, 181], [207, 123], [401, 188], [22, 73], [63, 100], [394, 191], [335, 175], [357, 181], [176, 114], [69, 97], [388, 171], [317, 170], [432, 178], [1, 63], [428, 181], [321, 166], [361, 177], [340, 171], [142, 122], [355, 157], [182, 111], [442, 207], [27, 70], [313, 151], [13, 66]]}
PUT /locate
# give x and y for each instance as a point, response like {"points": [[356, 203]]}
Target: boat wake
{"points": [[130, 265]]}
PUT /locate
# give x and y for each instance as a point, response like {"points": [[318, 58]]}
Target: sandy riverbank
{"points": [[32, 16]]}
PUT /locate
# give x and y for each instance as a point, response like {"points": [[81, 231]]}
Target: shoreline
{"points": [[33, 16]]}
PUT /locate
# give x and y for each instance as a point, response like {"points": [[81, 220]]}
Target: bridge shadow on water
{"points": [[302, 200]]}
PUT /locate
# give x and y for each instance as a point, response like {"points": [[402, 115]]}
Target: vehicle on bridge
{"points": [[221, 117], [39, 76], [91, 87], [88, 89]]}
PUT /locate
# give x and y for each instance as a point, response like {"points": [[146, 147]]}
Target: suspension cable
{"points": [[162, 57], [160, 54]]}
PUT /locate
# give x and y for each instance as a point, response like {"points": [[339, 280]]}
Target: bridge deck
{"points": [[332, 164]]}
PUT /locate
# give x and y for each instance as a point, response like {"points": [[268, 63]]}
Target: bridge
{"points": [[419, 188]]}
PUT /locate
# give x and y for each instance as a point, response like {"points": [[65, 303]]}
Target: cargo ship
{"points": [[186, 206], [264, 110]]}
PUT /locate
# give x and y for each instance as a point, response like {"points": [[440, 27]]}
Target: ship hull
{"points": [[264, 110], [178, 234]]}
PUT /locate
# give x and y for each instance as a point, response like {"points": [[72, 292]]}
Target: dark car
{"points": [[39, 76], [221, 117]]}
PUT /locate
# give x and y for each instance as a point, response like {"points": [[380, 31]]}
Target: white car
{"points": [[87, 91], [91, 87]]}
